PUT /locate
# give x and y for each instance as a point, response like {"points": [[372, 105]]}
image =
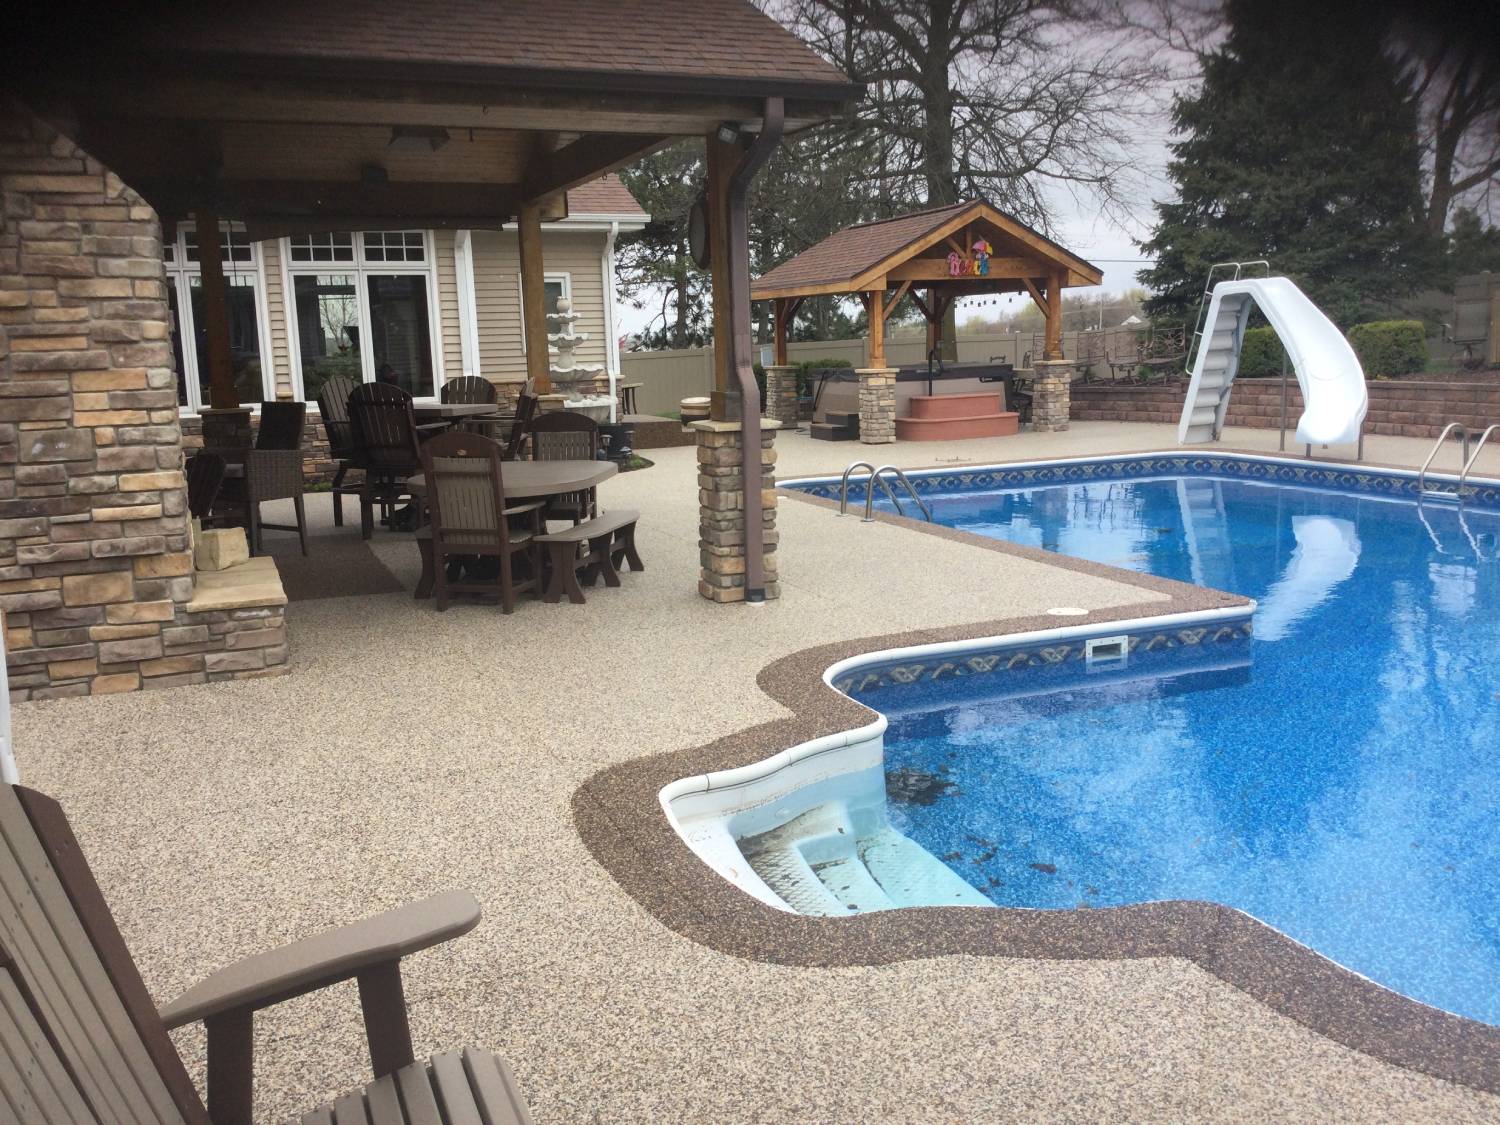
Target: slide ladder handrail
{"points": [[877, 476], [1437, 446], [1207, 296]]}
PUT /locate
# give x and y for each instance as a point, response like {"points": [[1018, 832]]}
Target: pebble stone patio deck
{"points": [[409, 752]]}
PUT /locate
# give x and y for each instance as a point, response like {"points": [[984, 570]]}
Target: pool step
{"points": [[817, 865]]}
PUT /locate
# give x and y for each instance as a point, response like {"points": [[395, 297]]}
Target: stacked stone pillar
{"points": [[877, 405], [722, 510], [781, 395], [96, 576], [1052, 393]]}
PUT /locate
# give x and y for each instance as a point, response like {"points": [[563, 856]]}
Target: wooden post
{"points": [[781, 315], [221, 390], [1053, 349], [877, 327], [534, 297], [722, 159]]}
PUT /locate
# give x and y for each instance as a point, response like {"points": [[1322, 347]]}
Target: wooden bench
{"points": [[610, 539]]}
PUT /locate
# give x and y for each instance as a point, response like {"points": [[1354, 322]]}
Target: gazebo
{"points": [[934, 257]]}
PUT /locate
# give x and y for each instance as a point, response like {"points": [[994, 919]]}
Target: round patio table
{"points": [[522, 480], [533, 480]]}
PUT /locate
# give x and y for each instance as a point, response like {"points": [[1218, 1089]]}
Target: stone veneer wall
{"points": [[95, 573], [1409, 408]]}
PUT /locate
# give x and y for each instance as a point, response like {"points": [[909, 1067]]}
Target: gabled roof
{"points": [[858, 256], [607, 195], [645, 44]]}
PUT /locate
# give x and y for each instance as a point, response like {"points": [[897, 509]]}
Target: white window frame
{"points": [[362, 268], [565, 278], [180, 274]]}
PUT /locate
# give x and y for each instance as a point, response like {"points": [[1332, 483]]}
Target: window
{"points": [[554, 287], [245, 295], [363, 307]]}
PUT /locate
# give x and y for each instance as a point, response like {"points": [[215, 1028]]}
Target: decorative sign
{"points": [[974, 264]]}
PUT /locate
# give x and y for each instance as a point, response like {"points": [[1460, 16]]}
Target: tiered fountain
{"points": [[569, 378]]}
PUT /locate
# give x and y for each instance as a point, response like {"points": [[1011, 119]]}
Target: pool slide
{"points": [[1332, 381]]}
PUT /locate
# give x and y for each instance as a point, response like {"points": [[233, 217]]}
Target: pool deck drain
{"points": [[409, 751]]}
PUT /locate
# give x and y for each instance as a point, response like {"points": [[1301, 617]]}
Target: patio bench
{"points": [[610, 539]]}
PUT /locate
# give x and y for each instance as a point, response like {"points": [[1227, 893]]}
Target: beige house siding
{"points": [[276, 316], [451, 342], [497, 296]]}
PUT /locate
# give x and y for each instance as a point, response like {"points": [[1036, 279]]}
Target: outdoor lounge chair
{"points": [[470, 520], [566, 436], [333, 405], [81, 1040]]}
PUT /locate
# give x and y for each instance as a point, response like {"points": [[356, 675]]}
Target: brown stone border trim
{"points": [[620, 819]]}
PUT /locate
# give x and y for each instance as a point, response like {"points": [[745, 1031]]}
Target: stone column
{"points": [[1051, 400], [781, 395], [721, 510], [877, 405]]}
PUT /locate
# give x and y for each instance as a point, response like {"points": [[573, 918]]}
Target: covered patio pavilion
{"points": [[932, 257], [302, 119]]}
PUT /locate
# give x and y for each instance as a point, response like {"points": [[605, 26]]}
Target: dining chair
{"points": [[479, 391], [566, 436], [469, 519], [333, 406], [272, 470], [386, 448], [205, 474], [525, 412]]}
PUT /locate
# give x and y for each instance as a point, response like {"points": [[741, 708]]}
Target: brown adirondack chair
{"points": [[566, 436], [81, 1041], [387, 437], [343, 448]]}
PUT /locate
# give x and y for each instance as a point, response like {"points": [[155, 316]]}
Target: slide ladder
{"points": [[1334, 397]]}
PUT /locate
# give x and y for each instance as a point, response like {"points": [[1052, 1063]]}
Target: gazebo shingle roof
{"points": [[643, 39], [846, 254]]}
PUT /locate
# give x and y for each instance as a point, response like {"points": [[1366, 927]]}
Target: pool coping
{"points": [[619, 816]]}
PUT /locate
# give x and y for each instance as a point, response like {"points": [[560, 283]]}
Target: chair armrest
{"points": [[523, 508], [268, 978], [422, 427]]}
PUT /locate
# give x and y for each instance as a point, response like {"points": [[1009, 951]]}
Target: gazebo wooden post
{"points": [[781, 316], [534, 296], [876, 307], [877, 383], [222, 392], [1054, 349]]}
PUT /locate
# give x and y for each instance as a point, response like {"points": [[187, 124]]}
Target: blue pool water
{"points": [[1346, 789]]}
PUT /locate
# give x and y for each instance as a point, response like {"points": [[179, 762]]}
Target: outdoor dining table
{"points": [[522, 480], [451, 411]]}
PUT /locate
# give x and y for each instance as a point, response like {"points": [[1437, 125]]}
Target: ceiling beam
{"points": [[587, 158], [936, 269], [334, 205]]}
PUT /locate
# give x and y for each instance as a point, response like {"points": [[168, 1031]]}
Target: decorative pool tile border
{"points": [[941, 668], [982, 478]]}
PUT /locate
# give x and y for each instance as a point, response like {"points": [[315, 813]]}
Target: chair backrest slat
{"points": [[75, 995], [564, 436], [281, 425], [471, 389], [333, 407], [34, 1080], [385, 428]]}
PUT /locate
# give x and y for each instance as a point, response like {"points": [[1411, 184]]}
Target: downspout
{"points": [[740, 346], [611, 342]]}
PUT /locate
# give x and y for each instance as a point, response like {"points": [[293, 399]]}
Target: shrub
{"points": [[1260, 354], [805, 372], [1390, 347]]}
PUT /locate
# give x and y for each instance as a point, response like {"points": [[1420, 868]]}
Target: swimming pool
{"points": [[1340, 785]]}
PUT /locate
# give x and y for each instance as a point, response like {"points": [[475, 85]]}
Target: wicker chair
{"points": [[469, 518], [205, 474], [565, 436], [386, 438], [333, 405], [272, 471]]}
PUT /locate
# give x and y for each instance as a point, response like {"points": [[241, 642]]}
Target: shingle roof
{"points": [[683, 39], [854, 251], [607, 195], [846, 254]]}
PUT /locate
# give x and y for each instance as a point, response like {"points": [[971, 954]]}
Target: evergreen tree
{"points": [[1300, 147]]}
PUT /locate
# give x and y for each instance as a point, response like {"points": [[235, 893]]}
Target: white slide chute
{"points": [[1333, 383]]}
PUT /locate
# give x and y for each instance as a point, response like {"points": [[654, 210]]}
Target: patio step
{"points": [[847, 430]]}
